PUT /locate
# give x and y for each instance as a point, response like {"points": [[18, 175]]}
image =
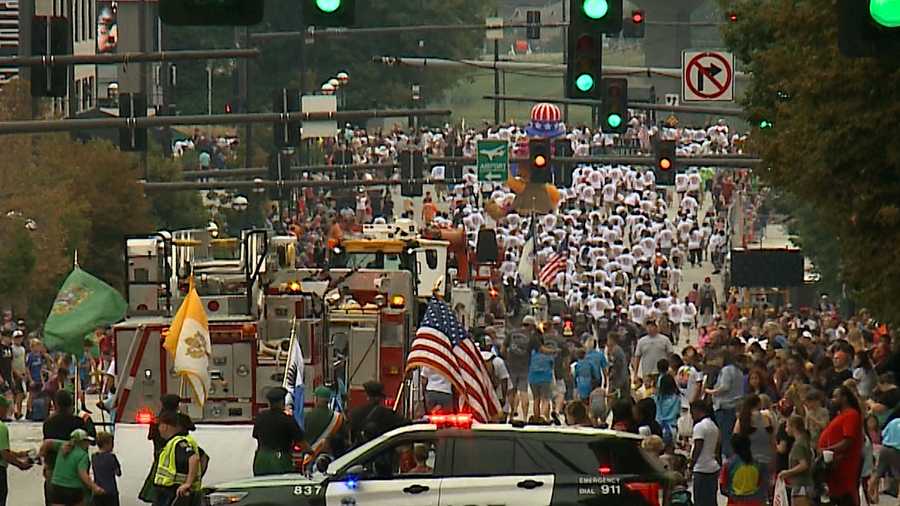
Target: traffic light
{"points": [[533, 32], [731, 16], [766, 124], [606, 14], [412, 170], [211, 12], [869, 28], [132, 105], [614, 110], [55, 40], [540, 152], [666, 163], [329, 13], [562, 175], [634, 27], [287, 134]]}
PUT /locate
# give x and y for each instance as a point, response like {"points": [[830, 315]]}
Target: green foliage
{"points": [[174, 210], [833, 147], [371, 85], [17, 259]]}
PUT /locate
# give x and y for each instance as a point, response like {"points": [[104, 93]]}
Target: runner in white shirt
{"points": [[676, 315], [681, 185]]}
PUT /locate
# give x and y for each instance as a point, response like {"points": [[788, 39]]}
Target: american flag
{"points": [[555, 264], [441, 343]]}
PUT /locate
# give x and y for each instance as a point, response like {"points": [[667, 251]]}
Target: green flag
{"points": [[82, 304]]}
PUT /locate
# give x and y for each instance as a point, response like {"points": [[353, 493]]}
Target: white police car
{"points": [[453, 462]]}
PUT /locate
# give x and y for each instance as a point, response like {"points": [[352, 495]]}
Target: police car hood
{"points": [[275, 480]]}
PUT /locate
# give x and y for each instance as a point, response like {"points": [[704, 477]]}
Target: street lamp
{"points": [[328, 89], [334, 82], [343, 77]]}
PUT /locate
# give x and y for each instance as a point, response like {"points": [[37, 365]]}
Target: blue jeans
{"points": [[725, 419], [706, 489]]}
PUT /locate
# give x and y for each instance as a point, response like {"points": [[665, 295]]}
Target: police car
{"points": [[450, 461]]}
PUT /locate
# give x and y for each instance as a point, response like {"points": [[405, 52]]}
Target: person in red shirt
{"points": [[844, 437]]}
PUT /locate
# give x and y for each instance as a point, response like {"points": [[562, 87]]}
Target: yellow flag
{"points": [[189, 345]]}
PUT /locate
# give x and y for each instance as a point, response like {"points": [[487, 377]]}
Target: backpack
{"points": [[489, 366], [744, 478], [520, 345]]}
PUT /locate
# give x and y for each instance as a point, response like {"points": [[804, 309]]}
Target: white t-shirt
{"points": [[436, 382], [681, 183], [706, 431]]}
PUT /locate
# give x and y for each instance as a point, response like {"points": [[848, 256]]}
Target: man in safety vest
{"points": [[324, 427], [178, 475]]}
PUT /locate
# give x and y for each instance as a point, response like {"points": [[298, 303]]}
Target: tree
{"points": [[82, 197], [832, 145], [174, 210], [371, 85]]}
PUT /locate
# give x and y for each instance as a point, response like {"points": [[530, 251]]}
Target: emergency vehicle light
{"points": [[460, 421], [144, 416], [604, 469], [398, 301]]}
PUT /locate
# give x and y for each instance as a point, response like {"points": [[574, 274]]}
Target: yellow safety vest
{"points": [[167, 474]]}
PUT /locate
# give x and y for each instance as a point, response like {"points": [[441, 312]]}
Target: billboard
{"points": [[9, 37]]}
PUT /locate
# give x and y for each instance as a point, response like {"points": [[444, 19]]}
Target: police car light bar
{"points": [[459, 421]]}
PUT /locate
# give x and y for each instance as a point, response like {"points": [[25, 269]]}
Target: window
{"points": [[412, 457], [475, 456], [619, 456]]}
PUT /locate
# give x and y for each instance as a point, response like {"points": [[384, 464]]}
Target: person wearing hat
{"points": [[324, 426], [70, 480], [59, 427], [275, 432], [169, 404], [372, 419], [177, 477], [7, 455]]}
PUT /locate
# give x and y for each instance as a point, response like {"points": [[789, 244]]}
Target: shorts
{"points": [[559, 387], [65, 495], [541, 390], [888, 462], [442, 400], [519, 382], [803, 491]]}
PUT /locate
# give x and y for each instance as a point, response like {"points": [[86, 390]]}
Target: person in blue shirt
{"points": [[888, 458], [597, 356], [540, 379], [668, 406], [586, 375]]}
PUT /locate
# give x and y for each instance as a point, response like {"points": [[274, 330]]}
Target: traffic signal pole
{"points": [[645, 106], [68, 125]]}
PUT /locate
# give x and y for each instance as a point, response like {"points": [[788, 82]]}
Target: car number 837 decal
{"points": [[307, 489]]}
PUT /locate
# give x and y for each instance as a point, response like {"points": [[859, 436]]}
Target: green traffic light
{"points": [[328, 6], [614, 120], [764, 124], [585, 82], [885, 12], [595, 9]]}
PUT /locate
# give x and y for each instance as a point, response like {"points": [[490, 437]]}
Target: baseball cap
{"points": [[78, 435], [807, 333]]}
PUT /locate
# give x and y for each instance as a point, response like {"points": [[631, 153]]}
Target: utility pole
{"points": [[242, 39], [565, 45], [496, 78]]}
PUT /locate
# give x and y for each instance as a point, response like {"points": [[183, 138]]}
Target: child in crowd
{"points": [[106, 471]]}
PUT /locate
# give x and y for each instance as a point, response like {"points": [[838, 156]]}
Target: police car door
{"points": [[403, 471], [494, 471]]}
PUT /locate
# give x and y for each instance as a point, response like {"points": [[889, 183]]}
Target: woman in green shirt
{"points": [[70, 477], [798, 476]]}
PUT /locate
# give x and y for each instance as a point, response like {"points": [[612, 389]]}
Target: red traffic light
{"points": [[228, 109], [540, 161], [637, 17], [732, 17], [665, 164]]}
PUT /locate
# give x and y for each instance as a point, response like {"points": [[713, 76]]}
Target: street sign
{"points": [[319, 104], [493, 161], [495, 28], [673, 99], [707, 76]]}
